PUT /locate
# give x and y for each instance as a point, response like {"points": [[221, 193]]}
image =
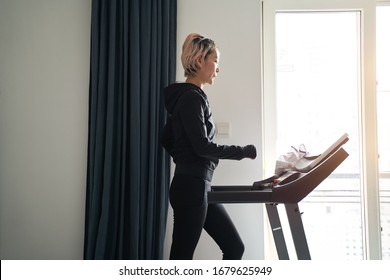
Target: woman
{"points": [[188, 137]]}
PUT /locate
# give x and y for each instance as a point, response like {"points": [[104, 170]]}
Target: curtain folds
{"points": [[133, 56]]}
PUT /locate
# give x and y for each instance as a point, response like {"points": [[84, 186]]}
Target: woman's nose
{"points": [[217, 70]]}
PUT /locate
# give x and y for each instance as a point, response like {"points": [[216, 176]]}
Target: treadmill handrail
{"points": [[291, 192]]}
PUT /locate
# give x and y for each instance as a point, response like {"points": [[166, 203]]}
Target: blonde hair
{"points": [[194, 47]]}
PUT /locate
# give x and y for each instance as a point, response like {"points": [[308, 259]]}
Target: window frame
{"points": [[368, 122]]}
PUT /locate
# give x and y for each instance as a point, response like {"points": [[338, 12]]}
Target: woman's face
{"points": [[209, 67]]}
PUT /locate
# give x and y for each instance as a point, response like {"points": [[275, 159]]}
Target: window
{"points": [[383, 102], [319, 82], [317, 96]]}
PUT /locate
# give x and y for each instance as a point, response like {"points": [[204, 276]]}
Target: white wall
{"points": [[235, 98], [44, 78]]}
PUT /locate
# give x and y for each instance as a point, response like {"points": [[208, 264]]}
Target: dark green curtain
{"points": [[133, 56]]}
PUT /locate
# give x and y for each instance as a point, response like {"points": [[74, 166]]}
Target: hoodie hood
{"points": [[173, 92]]}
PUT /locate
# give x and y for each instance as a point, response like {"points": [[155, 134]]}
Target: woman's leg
{"points": [[187, 228], [187, 197], [221, 228]]}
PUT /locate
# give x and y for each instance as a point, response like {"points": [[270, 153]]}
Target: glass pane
{"points": [[318, 89], [383, 101]]}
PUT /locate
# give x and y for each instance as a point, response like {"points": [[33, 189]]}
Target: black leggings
{"points": [[191, 213]]}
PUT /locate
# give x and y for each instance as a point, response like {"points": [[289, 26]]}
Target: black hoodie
{"points": [[190, 131]]}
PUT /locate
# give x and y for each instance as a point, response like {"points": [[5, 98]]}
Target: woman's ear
{"points": [[199, 61]]}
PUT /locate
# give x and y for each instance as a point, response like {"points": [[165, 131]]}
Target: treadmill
{"points": [[289, 189]]}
